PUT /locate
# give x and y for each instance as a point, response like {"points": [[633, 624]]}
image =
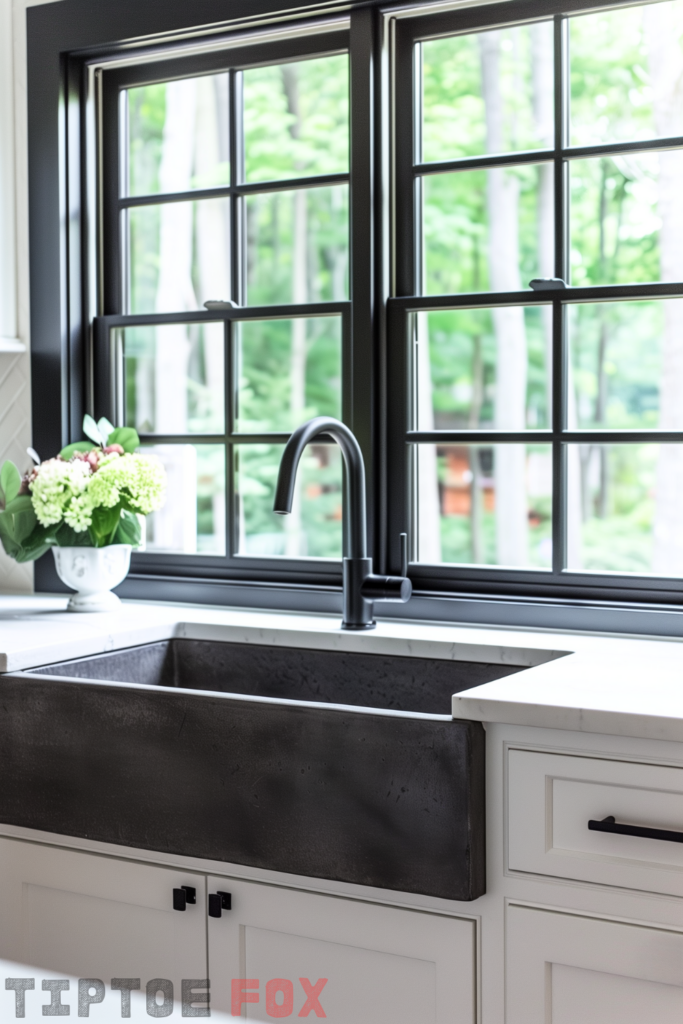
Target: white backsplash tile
{"points": [[15, 437]]}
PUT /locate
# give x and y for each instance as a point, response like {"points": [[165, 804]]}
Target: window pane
{"points": [[193, 519], [625, 508], [622, 81], [489, 92], [488, 230], [296, 119], [626, 364], [314, 529], [462, 355], [174, 378], [289, 371], [178, 135], [484, 504], [626, 219], [298, 246], [179, 255]]}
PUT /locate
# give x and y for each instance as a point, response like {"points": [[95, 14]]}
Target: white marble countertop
{"points": [[620, 685]]}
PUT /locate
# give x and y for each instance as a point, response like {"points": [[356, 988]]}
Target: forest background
{"points": [[482, 230]]}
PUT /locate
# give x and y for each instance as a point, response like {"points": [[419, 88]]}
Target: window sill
{"points": [[11, 345]]}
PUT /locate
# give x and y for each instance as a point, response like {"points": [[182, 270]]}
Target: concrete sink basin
{"points": [[327, 764]]}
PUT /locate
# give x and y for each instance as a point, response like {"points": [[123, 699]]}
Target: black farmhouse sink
{"points": [[321, 763]]}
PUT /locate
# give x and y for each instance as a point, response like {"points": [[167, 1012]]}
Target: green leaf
{"points": [[78, 446], [91, 430], [66, 537], [23, 538], [6, 527], [24, 525], [21, 504], [127, 437], [105, 428], [10, 481], [129, 530], [104, 524]]}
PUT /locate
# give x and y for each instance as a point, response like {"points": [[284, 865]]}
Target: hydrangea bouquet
{"points": [[90, 495]]}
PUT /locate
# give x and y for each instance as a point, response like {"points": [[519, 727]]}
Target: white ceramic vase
{"points": [[92, 572]]}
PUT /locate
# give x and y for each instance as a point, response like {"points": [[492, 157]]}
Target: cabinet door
{"points": [[360, 963], [567, 969], [77, 915]]}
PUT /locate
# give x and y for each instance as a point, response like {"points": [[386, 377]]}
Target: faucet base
{"points": [[368, 625]]}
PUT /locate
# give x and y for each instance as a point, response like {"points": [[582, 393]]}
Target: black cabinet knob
{"points": [[218, 902], [184, 895]]}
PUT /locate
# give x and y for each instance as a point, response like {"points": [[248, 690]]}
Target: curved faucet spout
{"points": [[355, 476], [361, 588]]}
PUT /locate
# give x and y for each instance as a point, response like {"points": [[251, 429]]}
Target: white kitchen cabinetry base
{"points": [[76, 915], [382, 964], [566, 969]]}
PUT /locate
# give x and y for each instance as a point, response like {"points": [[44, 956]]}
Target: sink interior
{"points": [[367, 680]]}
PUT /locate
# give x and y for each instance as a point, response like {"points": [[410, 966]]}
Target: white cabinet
{"points": [[363, 963], [70, 915], [77, 915], [569, 969]]}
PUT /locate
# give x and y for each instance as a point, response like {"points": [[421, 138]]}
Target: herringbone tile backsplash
{"points": [[15, 437]]}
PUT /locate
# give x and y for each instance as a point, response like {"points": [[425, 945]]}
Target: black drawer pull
{"points": [[184, 895], [218, 902], [610, 824]]}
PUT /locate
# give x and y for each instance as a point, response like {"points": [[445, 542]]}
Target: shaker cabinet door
{"points": [[283, 953], [566, 969], [68, 915]]}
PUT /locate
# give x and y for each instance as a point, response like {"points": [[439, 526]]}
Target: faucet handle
{"points": [[386, 588], [403, 538]]}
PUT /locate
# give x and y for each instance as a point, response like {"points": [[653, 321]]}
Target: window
{"points": [[363, 201], [540, 437], [226, 262]]}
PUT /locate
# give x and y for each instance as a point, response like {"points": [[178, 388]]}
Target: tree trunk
{"points": [[294, 537], [174, 529], [175, 291], [665, 76], [543, 106], [427, 482], [213, 245], [476, 496], [511, 356]]}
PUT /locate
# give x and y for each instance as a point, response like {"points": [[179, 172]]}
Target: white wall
{"points": [[15, 391]]}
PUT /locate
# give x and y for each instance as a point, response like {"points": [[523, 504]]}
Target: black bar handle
{"points": [[609, 824]]}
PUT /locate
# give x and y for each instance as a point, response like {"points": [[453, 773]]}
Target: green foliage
{"points": [[127, 437], [25, 539], [10, 483], [21, 536], [78, 446], [296, 119]]}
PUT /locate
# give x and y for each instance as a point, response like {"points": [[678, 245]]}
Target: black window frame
{"points": [[407, 300], [63, 42], [239, 56]]}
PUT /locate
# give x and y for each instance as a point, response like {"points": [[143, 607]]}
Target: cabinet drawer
{"points": [[551, 799]]}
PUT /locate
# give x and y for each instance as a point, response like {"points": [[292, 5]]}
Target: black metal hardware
{"points": [[545, 284], [218, 902], [179, 899], [190, 892], [403, 538], [609, 824], [361, 586]]}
